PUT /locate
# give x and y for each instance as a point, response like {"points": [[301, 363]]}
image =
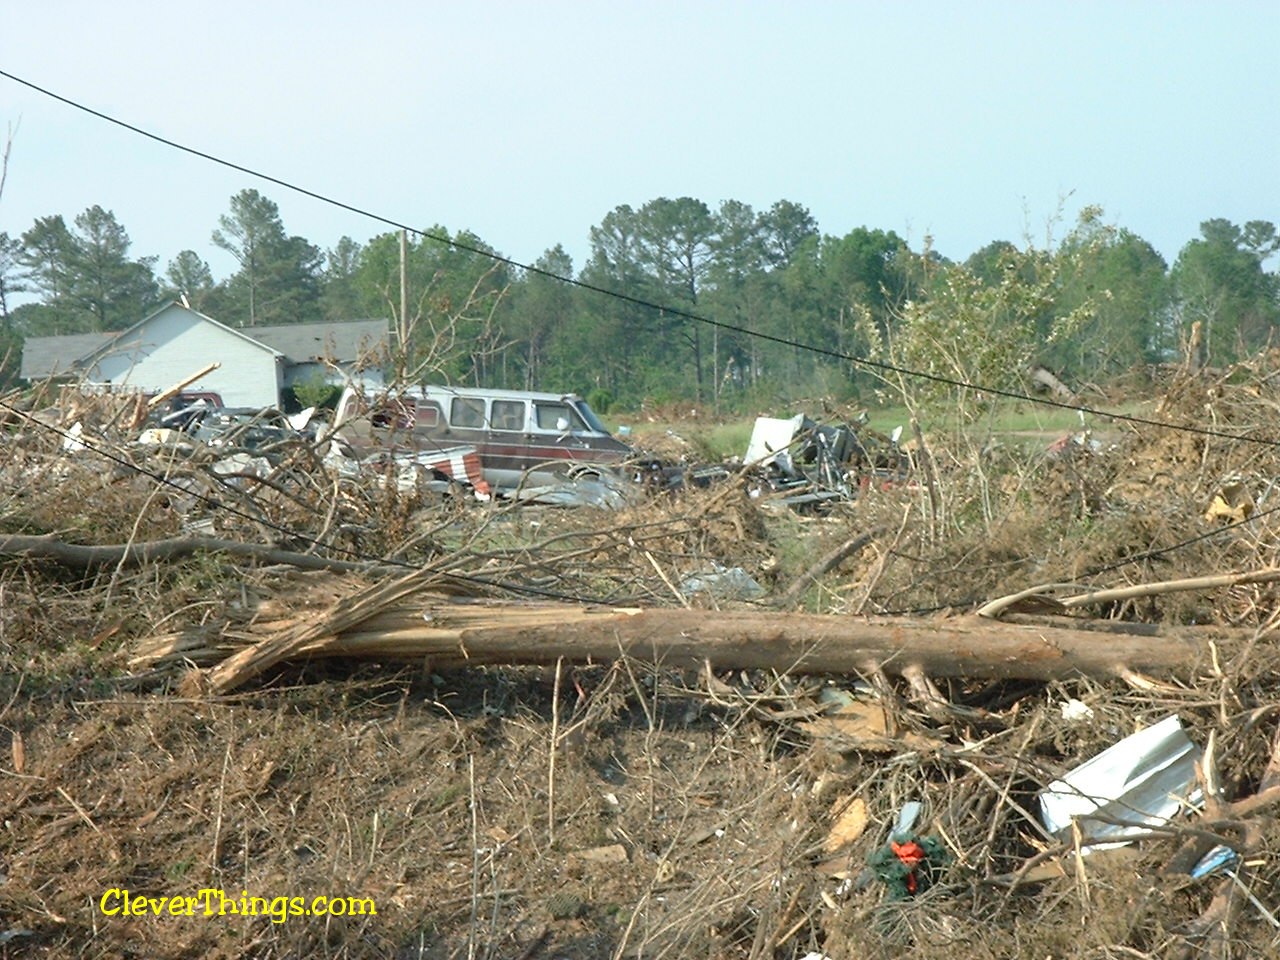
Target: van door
{"points": [[561, 425], [506, 450]]}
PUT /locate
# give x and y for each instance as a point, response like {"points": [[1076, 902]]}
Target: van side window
{"points": [[427, 414], [467, 412], [555, 416], [507, 415]]}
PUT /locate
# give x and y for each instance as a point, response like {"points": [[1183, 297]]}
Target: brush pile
{"points": [[538, 732]]}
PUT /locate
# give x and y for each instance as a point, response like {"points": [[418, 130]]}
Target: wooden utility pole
{"points": [[403, 326]]}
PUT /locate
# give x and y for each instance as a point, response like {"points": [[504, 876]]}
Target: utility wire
{"points": [[649, 305], [640, 302]]}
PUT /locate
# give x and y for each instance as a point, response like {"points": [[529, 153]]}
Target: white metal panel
{"points": [[771, 440], [175, 343]]}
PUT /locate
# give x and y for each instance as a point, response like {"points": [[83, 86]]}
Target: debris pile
{"points": [[688, 725], [808, 463]]}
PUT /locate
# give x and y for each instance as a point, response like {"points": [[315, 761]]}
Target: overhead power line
{"points": [[648, 304]]}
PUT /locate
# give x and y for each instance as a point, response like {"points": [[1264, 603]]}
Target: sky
{"points": [[526, 123]]}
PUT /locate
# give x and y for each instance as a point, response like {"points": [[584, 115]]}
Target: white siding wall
{"points": [[176, 343]]}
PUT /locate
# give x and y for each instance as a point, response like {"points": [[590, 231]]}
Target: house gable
{"points": [[159, 324], [174, 342]]}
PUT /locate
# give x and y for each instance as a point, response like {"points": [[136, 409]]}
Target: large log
{"points": [[396, 621], [460, 633]]}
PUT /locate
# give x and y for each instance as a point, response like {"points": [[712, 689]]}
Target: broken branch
{"points": [[87, 557]]}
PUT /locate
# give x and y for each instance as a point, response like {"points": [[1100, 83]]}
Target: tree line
{"points": [[1094, 303]]}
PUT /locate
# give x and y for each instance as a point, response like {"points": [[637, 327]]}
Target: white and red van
{"points": [[524, 438]]}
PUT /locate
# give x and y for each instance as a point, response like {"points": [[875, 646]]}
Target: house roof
{"points": [[121, 339], [343, 342], [298, 342]]}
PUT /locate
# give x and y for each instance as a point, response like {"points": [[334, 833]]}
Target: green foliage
{"points": [[10, 353], [188, 276], [969, 334], [542, 318], [988, 263], [727, 440], [675, 248], [316, 392], [620, 343], [115, 290], [1220, 282], [11, 277], [84, 276], [600, 400], [454, 292], [278, 279], [1123, 281], [340, 296]]}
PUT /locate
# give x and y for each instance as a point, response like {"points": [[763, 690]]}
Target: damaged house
{"points": [[255, 363]]}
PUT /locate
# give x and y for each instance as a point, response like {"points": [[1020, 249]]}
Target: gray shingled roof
{"points": [[300, 342], [51, 356]]}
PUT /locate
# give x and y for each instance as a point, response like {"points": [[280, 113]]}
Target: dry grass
{"points": [[616, 810]]}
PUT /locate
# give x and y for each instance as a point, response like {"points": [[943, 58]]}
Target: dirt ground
{"points": [[623, 809]]}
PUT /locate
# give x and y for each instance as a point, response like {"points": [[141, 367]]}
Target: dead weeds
{"points": [[621, 809]]}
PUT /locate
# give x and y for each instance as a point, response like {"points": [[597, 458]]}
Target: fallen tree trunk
{"points": [[389, 622], [86, 557], [459, 634]]}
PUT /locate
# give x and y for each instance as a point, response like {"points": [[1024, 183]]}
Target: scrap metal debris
{"points": [[807, 464], [1144, 780]]}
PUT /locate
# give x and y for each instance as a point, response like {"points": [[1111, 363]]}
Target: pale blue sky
{"points": [[528, 122]]}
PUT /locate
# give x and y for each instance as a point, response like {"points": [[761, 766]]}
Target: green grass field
{"points": [[725, 439]]}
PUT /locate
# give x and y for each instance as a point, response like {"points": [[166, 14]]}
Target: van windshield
{"points": [[589, 415]]}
